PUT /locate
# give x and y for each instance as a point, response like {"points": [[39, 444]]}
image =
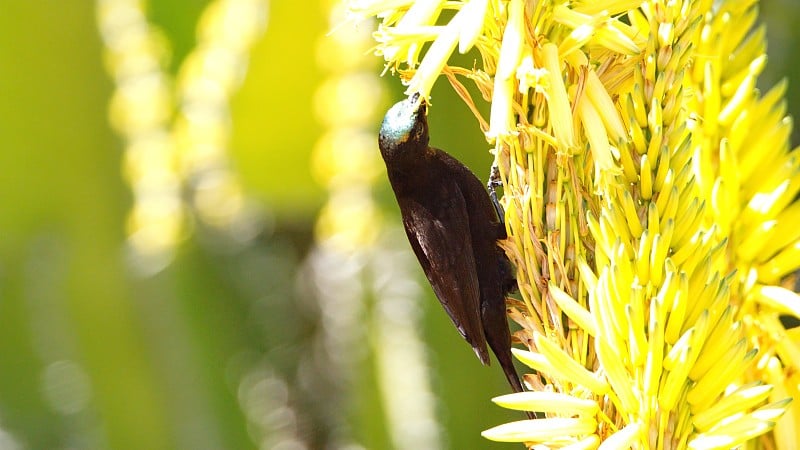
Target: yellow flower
{"points": [[649, 194]]}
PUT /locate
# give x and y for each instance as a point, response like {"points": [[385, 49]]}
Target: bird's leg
{"points": [[494, 182]]}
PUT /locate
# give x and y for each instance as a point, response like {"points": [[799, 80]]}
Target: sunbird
{"points": [[453, 228]]}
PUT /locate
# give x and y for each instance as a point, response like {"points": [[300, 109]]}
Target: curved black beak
{"points": [[419, 101]]}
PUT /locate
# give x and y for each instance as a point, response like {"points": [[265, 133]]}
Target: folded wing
{"points": [[441, 240]]}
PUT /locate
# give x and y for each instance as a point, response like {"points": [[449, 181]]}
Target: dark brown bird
{"points": [[453, 229]]}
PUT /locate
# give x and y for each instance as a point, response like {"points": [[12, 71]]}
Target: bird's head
{"points": [[404, 131]]}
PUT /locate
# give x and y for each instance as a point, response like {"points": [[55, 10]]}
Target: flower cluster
{"points": [[649, 193]]}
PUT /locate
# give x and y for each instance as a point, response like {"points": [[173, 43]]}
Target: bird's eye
{"points": [[418, 132]]}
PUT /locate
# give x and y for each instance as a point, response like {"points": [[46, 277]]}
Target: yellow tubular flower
{"points": [[649, 192]]}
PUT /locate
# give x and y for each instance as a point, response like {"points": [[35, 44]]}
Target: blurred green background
{"points": [[222, 348]]}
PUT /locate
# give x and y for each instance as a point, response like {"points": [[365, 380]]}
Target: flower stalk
{"points": [[649, 194]]}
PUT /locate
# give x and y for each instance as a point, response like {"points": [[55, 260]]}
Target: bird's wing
{"points": [[441, 240]]}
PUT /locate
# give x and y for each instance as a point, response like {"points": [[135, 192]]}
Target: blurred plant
{"points": [[649, 193], [165, 156], [176, 161]]}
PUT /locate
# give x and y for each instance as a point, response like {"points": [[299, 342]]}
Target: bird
{"points": [[453, 228]]}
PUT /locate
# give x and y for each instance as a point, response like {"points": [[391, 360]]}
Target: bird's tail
{"points": [[504, 358]]}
